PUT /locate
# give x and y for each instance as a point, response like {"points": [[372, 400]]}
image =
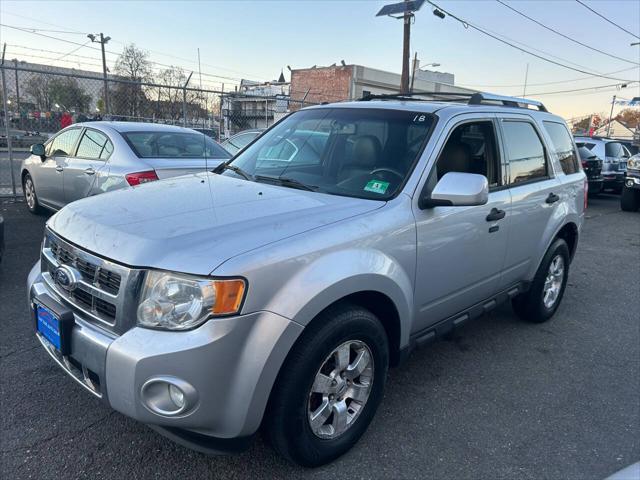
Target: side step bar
{"points": [[448, 325]]}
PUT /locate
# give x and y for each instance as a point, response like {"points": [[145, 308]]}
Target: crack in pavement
{"points": [[51, 437]]}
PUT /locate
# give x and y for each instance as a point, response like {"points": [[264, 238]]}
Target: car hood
{"points": [[195, 222]]}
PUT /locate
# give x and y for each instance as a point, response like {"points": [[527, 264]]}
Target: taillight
{"points": [[138, 178], [584, 164], [586, 193]]}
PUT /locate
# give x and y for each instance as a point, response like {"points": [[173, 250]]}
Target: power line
{"points": [[577, 89], [72, 51], [37, 20], [519, 85], [237, 80], [563, 35], [468, 24], [249, 76], [57, 52], [607, 19], [41, 57]]}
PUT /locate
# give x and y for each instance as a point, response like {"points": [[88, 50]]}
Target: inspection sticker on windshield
{"points": [[376, 186]]}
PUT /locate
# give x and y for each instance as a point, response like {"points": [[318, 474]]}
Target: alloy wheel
{"points": [[553, 282], [30, 193], [340, 389]]}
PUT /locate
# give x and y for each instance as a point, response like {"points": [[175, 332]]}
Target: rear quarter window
{"points": [[562, 146]]}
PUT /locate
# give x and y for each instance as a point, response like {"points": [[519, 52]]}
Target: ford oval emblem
{"points": [[66, 278]]}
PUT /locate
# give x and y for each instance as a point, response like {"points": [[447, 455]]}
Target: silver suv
{"points": [[277, 290], [614, 155]]}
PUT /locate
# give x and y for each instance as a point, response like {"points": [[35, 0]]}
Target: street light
{"points": [[429, 65]]}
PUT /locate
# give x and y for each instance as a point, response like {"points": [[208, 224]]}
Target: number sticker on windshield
{"points": [[376, 186]]}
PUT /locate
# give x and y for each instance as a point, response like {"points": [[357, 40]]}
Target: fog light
{"points": [[177, 395], [629, 183], [169, 396]]}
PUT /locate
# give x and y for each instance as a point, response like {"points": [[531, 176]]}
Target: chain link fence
{"points": [[36, 104]]}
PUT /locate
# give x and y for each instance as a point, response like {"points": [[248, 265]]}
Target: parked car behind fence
{"points": [[91, 158]]}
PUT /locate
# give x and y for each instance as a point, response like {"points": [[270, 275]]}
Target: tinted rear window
{"points": [[174, 145], [563, 146], [525, 152], [613, 149]]}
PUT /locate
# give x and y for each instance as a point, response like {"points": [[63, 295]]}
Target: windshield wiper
{"points": [[286, 182], [226, 166]]}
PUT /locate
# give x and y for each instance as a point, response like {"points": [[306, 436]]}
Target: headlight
{"points": [[633, 163], [178, 302]]}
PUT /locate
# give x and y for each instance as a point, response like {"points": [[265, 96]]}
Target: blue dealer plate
{"points": [[49, 326]]}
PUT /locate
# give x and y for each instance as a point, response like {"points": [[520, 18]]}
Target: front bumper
{"points": [[633, 180], [231, 363], [613, 179]]}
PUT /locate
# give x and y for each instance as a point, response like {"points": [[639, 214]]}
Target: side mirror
{"points": [[457, 189], [38, 149]]}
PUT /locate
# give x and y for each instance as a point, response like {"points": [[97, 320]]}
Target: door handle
{"points": [[90, 171], [59, 168], [495, 214], [552, 198]]}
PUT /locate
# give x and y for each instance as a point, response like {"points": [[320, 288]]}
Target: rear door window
{"points": [[525, 152], [63, 144], [563, 147], [92, 145]]}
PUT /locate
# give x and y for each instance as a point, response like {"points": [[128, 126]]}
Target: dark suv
{"points": [[614, 157], [592, 167]]}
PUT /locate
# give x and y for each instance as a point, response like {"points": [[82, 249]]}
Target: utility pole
{"points": [[406, 40], [526, 76], [613, 102], [404, 10], [103, 40]]}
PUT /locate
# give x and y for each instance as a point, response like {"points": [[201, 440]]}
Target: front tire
{"points": [[543, 298], [330, 386], [630, 200], [30, 197]]}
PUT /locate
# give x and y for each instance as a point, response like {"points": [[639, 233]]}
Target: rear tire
{"points": [[543, 298], [312, 417], [30, 197], [630, 200]]}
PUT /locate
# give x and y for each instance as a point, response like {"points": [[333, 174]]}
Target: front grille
{"points": [[104, 292], [105, 279]]}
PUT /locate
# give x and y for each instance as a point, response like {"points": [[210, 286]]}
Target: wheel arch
{"points": [[569, 233]]}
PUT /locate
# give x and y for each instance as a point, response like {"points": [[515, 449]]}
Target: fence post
{"points": [[6, 126], [184, 101]]}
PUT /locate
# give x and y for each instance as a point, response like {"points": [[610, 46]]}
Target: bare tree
{"points": [[169, 103], [39, 89], [134, 65]]}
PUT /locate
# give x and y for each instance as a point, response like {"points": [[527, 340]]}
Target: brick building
{"points": [[350, 82]]}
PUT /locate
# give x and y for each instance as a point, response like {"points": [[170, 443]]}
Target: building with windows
{"points": [[254, 105]]}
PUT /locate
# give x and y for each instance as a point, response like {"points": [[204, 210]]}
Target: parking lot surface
{"points": [[502, 399]]}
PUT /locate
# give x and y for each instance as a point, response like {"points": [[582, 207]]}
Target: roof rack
{"points": [[481, 97], [478, 98]]}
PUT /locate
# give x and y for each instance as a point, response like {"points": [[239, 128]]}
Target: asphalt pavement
{"points": [[503, 399]]}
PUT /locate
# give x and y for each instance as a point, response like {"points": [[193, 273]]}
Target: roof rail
{"points": [[477, 98], [453, 96], [481, 97]]}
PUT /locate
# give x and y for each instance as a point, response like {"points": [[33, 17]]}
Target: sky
{"points": [[257, 39]]}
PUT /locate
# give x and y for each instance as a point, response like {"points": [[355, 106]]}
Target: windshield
{"points": [[357, 152], [174, 145]]}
